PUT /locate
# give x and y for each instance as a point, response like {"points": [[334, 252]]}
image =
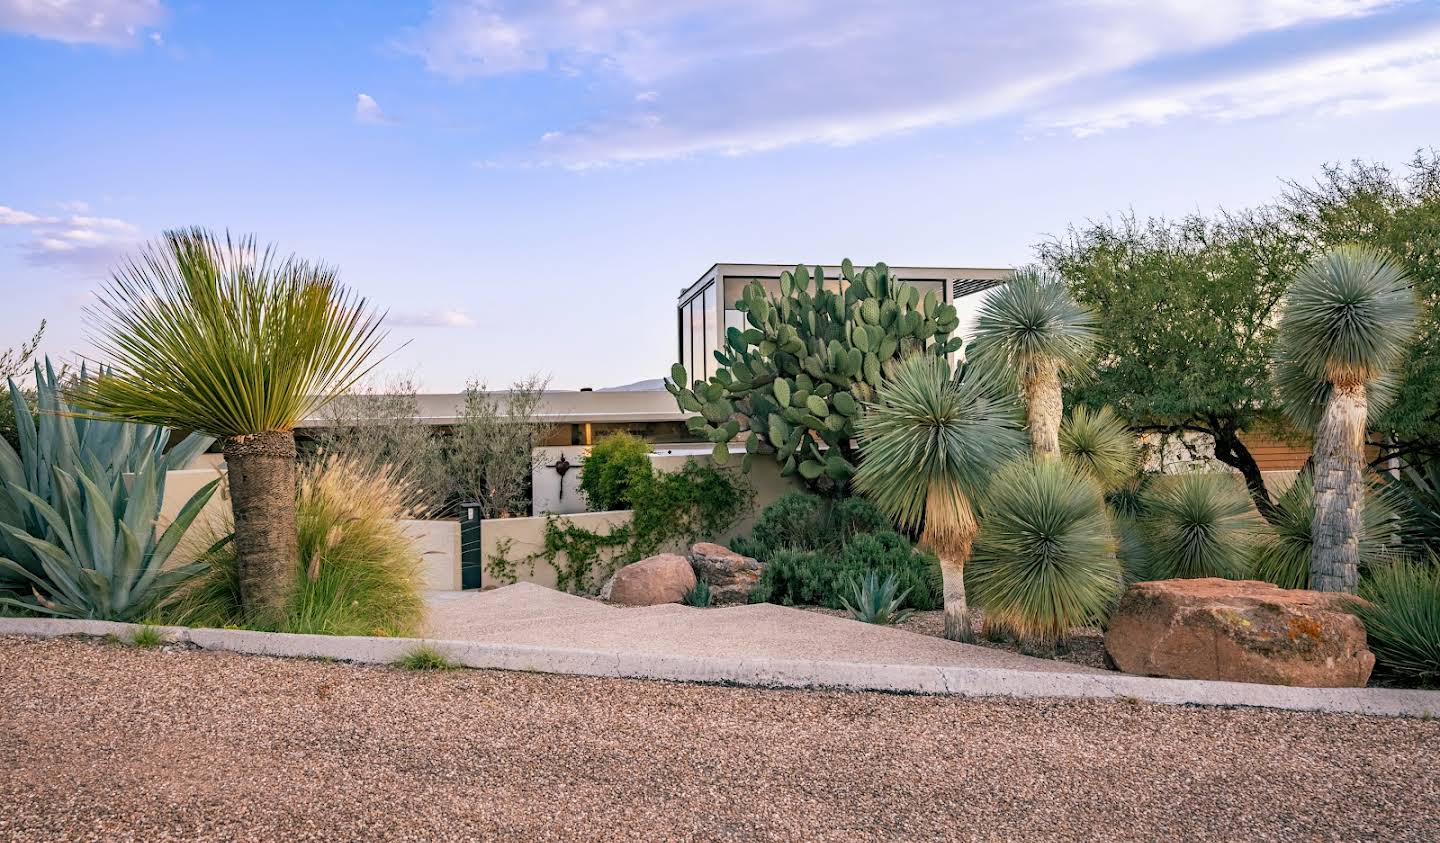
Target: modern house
{"points": [[706, 308]]}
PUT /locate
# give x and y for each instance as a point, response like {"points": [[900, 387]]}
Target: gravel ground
{"points": [[109, 742]]}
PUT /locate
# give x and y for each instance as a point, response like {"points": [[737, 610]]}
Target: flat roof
{"points": [[938, 273], [560, 406]]}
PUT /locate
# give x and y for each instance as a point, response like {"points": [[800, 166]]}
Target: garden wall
{"points": [[437, 543], [516, 538]]}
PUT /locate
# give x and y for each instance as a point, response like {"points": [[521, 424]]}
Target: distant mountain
{"points": [[637, 386]]}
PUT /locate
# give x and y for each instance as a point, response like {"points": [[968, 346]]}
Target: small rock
{"points": [[729, 574], [1238, 631], [650, 582]]}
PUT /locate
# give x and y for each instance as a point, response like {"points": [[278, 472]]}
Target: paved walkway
{"points": [[536, 616]]}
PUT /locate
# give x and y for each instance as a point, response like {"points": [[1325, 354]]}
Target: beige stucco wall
{"points": [[521, 537], [437, 543]]}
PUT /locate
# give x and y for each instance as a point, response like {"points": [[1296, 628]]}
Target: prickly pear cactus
{"points": [[797, 377]]}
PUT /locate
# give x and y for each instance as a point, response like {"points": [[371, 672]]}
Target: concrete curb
{"points": [[773, 673]]}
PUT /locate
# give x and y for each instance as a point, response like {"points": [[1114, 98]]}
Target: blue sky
{"points": [[526, 185]]}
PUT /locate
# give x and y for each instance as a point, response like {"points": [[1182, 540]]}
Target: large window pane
{"points": [[697, 340], [712, 328]]}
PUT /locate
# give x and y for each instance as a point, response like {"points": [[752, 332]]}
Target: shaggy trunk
{"points": [[261, 472], [1044, 408], [949, 533], [1339, 490], [957, 611]]}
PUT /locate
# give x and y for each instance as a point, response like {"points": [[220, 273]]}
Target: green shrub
{"points": [[699, 596], [1282, 555], [872, 600], [1402, 618], [357, 574], [614, 466], [802, 521], [1198, 525], [822, 578], [1044, 559]]}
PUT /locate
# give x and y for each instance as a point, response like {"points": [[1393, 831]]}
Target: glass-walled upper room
{"points": [[698, 319]]}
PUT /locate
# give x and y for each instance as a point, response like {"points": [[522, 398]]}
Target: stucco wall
{"points": [[520, 537], [437, 543]]}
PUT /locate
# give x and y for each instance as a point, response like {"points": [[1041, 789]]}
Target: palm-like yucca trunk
{"points": [[1339, 489], [261, 470], [949, 533], [1043, 406]]}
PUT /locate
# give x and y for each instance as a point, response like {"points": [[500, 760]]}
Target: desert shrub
{"points": [[357, 574], [877, 601], [1282, 555], [1401, 613], [1044, 559], [822, 577], [802, 521], [615, 465], [698, 595], [1415, 496], [1198, 525]]}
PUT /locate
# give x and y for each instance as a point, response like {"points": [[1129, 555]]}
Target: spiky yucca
{"points": [[1348, 317], [1045, 557], [930, 443], [357, 572], [1401, 613], [1033, 331], [236, 342], [1283, 554], [1198, 525], [1101, 445]]}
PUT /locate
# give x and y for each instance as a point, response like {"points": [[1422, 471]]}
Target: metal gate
{"points": [[472, 560]]}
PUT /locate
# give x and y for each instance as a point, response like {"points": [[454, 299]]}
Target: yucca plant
{"points": [[1032, 331], [54, 438], [1283, 554], [1347, 321], [1045, 560], [1101, 445], [877, 601], [930, 443], [1198, 525], [1401, 613], [106, 561], [221, 337], [1414, 495]]}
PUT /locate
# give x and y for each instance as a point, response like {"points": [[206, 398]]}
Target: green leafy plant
{"points": [[1348, 319], [1198, 525], [1401, 613], [106, 561], [797, 376], [1101, 445], [872, 600], [699, 596], [615, 464], [805, 521], [54, 438], [820, 576], [1283, 554], [1044, 560], [1031, 332], [235, 342], [425, 657], [357, 574], [930, 442]]}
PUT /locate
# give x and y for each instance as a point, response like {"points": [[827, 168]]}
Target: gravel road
{"points": [[102, 741]]}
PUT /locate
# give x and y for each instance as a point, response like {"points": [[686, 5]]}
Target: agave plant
{"points": [[1045, 558], [930, 443], [1400, 607], [55, 439], [236, 342], [1101, 445], [1348, 319], [873, 600], [1033, 331], [105, 561], [1283, 554], [698, 596], [1198, 525]]}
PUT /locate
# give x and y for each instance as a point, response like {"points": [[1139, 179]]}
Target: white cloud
{"points": [[1394, 74], [691, 76], [367, 110], [88, 243], [432, 319], [114, 23]]}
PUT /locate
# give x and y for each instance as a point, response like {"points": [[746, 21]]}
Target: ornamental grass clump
{"points": [[1401, 612], [357, 572], [1044, 560], [1198, 525]]}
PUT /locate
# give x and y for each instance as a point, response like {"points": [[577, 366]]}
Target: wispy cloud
{"points": [[88, 243], [689, 76], [431, 319], [1393, 74], [368, 111], [113, 23]]}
